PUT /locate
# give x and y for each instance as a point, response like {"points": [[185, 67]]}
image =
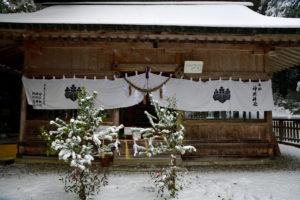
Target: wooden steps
{"points": [[143, 161], [8, 152]]}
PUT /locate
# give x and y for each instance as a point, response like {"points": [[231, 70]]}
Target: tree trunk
{"points": [[174, 174], [82, 194]]}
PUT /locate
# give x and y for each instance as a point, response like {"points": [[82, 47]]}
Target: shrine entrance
{"points": [[134, 116]]}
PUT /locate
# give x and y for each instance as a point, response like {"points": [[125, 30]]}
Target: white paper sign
{"points": [[193, 67]]}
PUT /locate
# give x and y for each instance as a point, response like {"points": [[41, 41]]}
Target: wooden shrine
{"points": [[104, 50]]}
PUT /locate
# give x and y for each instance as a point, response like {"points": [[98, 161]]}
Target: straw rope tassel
{"points": [[103, 149], [129, 89], [161, 93], [126, 150], [146, 145], [145, 100]]}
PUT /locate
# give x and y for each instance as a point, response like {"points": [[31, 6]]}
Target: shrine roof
{"points": [[142, 16]]}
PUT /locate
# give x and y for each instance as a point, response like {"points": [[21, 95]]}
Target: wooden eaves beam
{"points": [[292, 56], [284, 58], [281, 62], [169, 68], [137, 36], [289, 58]]}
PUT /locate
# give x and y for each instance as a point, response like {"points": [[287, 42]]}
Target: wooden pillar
{"points": [[268, 117], [280, 127], [22, 118], [116, 117], [273, 145]]}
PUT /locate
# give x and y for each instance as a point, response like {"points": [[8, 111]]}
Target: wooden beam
{"points": [[293, 50], [68, 74], [276, 66], [226, 75], [282, 61], [134, 35], [266, 60], [279, 65], [291, 55], [289, 58], [169, 68]]}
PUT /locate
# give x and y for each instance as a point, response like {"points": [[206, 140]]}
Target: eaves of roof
{"points": [[149, 28]]}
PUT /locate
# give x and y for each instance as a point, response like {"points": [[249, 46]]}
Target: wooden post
{"points": [[116, 117], [268, 117], [280, 127], [22, 118]]}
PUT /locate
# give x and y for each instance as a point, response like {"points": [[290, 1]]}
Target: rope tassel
{"points": [[129, 89], [161, 93]]}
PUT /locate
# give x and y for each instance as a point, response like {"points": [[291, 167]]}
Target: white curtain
{"points": [[217, 95], [198, 96]]}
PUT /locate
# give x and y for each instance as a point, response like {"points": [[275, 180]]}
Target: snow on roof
{"points": [[151, 3], [197, 15]]}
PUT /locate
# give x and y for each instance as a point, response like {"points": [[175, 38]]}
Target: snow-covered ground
{"points": [[281, 181]]}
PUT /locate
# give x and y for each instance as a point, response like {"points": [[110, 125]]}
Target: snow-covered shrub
{"points": [[78, 143], [15, 6], [280, 8], [290, 103], [165, 136]]}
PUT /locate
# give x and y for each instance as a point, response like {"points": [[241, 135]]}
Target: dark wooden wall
{"points": [[230, 138], [98, 58]]}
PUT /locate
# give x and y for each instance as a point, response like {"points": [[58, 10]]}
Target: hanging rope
{"points": [[146, 90]]}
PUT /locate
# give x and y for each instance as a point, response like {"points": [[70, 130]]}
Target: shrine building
{"points": [[215, 58]]}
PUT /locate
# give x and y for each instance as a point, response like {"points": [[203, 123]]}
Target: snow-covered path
{"points": [[280, 181]]}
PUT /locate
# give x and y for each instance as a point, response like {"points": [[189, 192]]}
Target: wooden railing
{"points": [[287, 130]]}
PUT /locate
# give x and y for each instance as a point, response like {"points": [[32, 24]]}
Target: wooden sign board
{"points": [[193, 67]]}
